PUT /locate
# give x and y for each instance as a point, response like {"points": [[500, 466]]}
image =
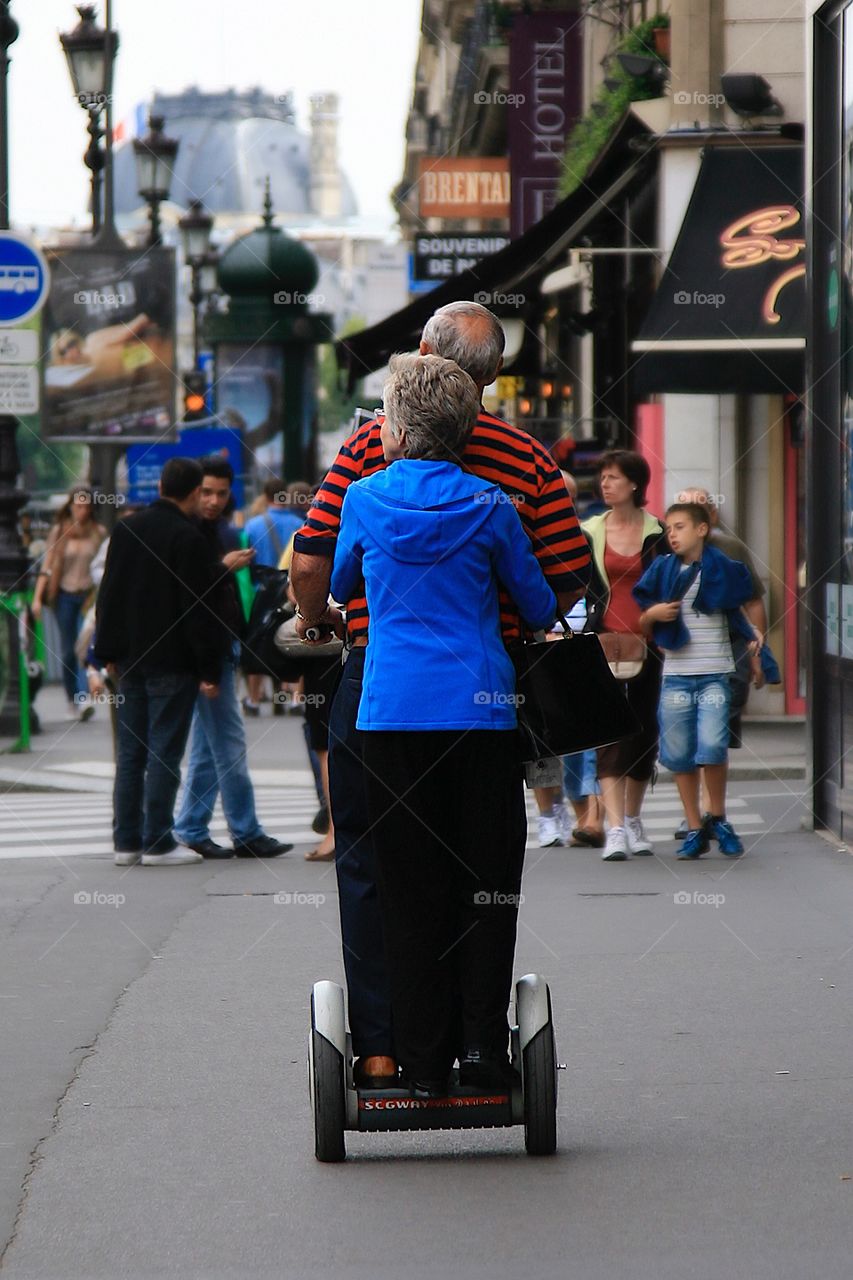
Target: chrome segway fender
{"points": [[532, 1007]]}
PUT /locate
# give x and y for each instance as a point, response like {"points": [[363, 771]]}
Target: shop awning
{"points": [[514, 269], [729, 314]]}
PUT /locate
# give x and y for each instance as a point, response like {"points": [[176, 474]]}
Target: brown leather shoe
{"points": [[377, 1072]]}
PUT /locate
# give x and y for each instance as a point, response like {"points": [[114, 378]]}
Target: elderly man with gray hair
{"points": [[431, 541], [496, 452]]}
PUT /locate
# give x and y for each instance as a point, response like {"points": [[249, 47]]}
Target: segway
{"points": [[338, 1105]]}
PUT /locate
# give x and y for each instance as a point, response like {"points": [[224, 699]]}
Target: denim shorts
{"points": [[694, 721], [580, 775]]}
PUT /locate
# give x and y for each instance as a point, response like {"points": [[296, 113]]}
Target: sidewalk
{"points": [[68, 756]]}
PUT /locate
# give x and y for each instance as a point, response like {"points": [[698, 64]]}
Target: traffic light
{"points": [[195, 406]]}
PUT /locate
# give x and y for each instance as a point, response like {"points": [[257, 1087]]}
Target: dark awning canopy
{"points": [[729, 314], [518, 267]]}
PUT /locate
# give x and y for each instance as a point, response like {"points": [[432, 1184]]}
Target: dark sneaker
{"points": [[262, 847], [208, 848], [250, 708], [726, 837], [479, 1072], [695, 844], [681, 833]]}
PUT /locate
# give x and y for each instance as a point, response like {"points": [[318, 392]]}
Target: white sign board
{"points": [[19, 389]]}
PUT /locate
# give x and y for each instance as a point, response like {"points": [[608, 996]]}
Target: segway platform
{"points": [[337, 1105]]}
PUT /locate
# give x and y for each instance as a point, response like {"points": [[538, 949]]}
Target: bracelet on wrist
{"points": [[310, 621]]}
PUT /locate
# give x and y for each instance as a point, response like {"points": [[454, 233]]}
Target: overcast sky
{"points": [[365, 53]]}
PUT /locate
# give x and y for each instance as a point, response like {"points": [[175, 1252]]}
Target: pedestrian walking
{"points": [[217, 761], [496, 452], [748, 664], [154, 631], [690, 601], [438, 717], [65, 583], [624, 540]]}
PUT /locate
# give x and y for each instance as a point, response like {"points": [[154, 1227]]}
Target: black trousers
{"points": [[449, 831]]}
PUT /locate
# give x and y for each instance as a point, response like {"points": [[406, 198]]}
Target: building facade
{"points": [[830, 410]]}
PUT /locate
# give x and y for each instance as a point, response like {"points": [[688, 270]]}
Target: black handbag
{"points": [[270, 608], [568, 699]]}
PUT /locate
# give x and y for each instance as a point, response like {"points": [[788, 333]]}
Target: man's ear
{"points": [[424, 349], [500, 366]]}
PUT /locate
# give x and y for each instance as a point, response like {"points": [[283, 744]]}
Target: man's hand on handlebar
{"points": [[330, 623]]}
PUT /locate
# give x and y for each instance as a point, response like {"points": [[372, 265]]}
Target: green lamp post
{"points": [[264, 346]]}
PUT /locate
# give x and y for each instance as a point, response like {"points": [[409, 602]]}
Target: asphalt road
{"points": [[155, 1111]]}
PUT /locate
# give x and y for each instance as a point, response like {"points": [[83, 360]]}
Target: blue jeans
{"points": [[694, 721], [218, 765], [68, 608], [153, 716], [580, 775]]}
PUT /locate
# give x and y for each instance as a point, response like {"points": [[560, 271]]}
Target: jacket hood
{"points": [[423, 511]]}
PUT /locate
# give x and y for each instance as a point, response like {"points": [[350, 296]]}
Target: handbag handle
{"points": [[568, 633]]}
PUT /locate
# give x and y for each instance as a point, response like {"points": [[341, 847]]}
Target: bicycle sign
{"points": [[24, 278]]}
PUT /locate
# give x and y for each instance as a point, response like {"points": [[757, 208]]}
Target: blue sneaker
{"points": [[726, 837], [695, 844]]}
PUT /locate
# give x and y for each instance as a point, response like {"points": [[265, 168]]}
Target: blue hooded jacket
{"points": [[431, 542], [725, 585]]}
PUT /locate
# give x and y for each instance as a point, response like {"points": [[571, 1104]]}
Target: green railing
{"points": [[16, 604]]}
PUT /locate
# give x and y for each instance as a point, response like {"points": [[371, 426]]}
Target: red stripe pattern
{"points": [[497, 452]]}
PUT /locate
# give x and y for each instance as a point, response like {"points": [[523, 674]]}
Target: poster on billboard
{"points": [[250, 398], [545, 78], [109, 334]]}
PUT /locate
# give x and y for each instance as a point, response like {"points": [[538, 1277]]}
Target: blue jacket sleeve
{"points": [[518, 568], [648, 590], [346, 570]]}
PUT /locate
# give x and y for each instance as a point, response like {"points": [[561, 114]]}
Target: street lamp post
{"points": [[89, 51], [196, 226], [8, 36], [155, 160], [14, 562]]}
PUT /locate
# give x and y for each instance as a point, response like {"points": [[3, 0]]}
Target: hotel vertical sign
{"points": [[545, 76]]}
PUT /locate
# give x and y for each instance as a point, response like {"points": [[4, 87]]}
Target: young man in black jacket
{"points": [[217, 763], [155, 630]]}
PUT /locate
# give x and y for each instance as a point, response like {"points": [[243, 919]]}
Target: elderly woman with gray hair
{"points": [[432, 542]]}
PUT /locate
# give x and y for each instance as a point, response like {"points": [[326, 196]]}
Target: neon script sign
{"points": [[752, 240]]}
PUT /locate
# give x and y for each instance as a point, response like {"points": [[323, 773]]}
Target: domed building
{"points": [[229, 143]]}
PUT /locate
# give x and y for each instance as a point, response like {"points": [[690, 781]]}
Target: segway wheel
{"points": [[328, 1097], [540, 1093]]}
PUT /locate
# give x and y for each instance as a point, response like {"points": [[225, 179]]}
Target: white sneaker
{"points": [[549, 832], [564, 822], [638, 841], [174, 858], [126, 859], [86, 710], [616, 846]]}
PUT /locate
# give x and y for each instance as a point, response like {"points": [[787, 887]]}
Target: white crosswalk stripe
{"points": [[50, 824], [68, 824]]}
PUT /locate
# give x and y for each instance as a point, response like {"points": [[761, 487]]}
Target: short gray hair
{"points": [[435, 402], [470, 335]]}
